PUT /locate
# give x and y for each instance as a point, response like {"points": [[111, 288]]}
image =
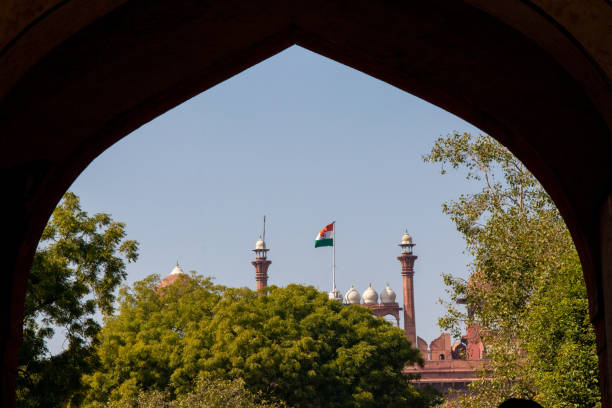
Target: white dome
{"points": [[260, 244], [406, 239], [177, 270], [370, 296], [352, 297], [335, 295], [387, 295]]}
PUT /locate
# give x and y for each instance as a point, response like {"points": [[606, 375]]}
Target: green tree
{"points": [[293, 345], [560, 341], [143, 346], [76, 269], [206, 394], [524, 261]]}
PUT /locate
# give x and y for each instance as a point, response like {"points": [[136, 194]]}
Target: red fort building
{"points": [[447, 365]]}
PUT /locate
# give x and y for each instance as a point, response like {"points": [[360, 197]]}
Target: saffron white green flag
{"points": [[325, 237]]}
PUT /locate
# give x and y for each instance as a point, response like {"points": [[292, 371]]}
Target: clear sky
{"points": [[305, 141]]}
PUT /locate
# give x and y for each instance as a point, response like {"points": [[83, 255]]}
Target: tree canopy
{"points": [[526, 290], [78, 265], [207, 393], [292, 346]]}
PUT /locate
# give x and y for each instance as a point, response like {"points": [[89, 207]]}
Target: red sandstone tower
{"points": [[407, 260], [261, 264]]}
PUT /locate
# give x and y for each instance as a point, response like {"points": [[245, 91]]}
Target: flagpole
{"points": [[334, 257]]}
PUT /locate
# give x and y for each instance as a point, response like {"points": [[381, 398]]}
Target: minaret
{"points": [[407, 260], [261, 262]]}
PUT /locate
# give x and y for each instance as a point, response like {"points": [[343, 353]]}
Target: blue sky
{"points": [[303, 140]]}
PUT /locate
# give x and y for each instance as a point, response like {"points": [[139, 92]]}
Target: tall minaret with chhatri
{"points": [[261, 262], [407, 260]]}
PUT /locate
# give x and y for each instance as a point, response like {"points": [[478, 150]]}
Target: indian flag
{"points": [[325, 237]]}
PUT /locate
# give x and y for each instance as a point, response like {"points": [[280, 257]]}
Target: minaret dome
{"points": [[177, 270], [335, 295], [387, 295], [370, 296], [406, 243], [352, 297], [260, 248]]}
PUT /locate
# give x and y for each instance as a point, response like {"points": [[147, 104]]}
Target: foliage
{"points": [[292, 346], [142, 346], [77, 267], [525, 274], [560, 340], [207, 393]]}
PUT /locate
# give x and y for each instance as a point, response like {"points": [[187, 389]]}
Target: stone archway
{"points": [[76, 76]]}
